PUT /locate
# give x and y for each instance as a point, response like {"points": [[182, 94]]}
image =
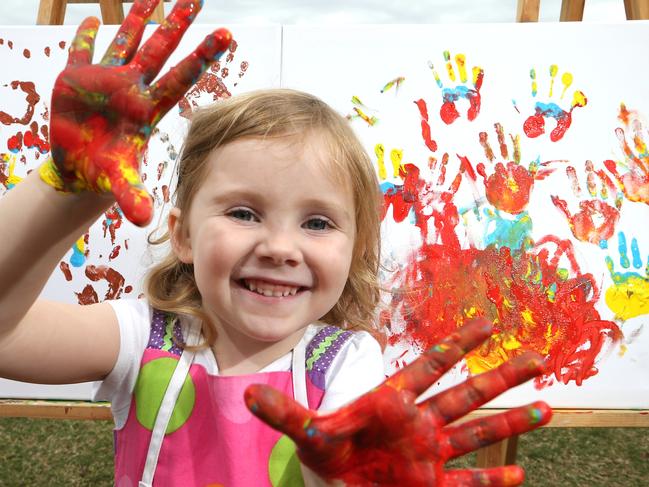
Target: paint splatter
{"points": [[534, 303], [65, 268], [534, 125], [27, 53], [395, 83], [31, 98], [114, 279], [211, 86], [450, 95]]}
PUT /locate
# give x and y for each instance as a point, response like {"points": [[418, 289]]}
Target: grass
{"points": [[80, 453]]}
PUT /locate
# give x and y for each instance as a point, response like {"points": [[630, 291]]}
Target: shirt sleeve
{"points": [[134, 318], [357, 369]]}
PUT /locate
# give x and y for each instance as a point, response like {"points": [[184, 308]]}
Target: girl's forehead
{"points": [[309, 154]]}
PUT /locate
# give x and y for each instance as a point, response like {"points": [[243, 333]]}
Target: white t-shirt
{"points": [[357, 368]]}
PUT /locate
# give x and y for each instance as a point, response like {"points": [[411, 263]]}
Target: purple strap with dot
{"points": [[159, 338], [321, 352]]}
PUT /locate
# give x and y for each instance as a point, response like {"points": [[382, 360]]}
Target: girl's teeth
{"points": [[270, 290]]}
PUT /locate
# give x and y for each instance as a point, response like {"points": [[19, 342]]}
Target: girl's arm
{"points": [[101, 118], [43, 341]]}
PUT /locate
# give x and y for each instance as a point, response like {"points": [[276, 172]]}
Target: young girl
{"points": [[271, 279]]}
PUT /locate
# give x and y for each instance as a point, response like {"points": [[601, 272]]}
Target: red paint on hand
{"points": [[103, 114], [387, 438]]}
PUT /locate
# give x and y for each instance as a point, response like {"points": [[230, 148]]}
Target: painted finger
{"points": [[172, 86], [427, 369], [507, 476], [156, 50], [83, 44], [457, 401], [472, 435], [280, 412], [124, 181], [129, 35]]}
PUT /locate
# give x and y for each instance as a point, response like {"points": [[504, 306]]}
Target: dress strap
{"points": [[167, 405], [299, 374]]}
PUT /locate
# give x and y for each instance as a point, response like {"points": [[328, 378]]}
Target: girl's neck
{"points": [[238, 355]]}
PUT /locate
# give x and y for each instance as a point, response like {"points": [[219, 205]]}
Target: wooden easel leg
{"points": [[498, 454], [528, 10], [636, 9], [112, 11], [572, 10], [51, 12]]}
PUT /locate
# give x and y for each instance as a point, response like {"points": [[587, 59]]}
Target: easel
{"points": [[504, 452], [52, 12]]}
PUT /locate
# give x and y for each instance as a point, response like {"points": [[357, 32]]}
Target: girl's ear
{"points": [[180, 242]]}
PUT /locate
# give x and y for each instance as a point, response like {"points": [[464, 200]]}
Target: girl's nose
{"points": [[279, 247]]}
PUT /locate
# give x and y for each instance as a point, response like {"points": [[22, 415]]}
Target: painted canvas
{"points": [[515, 172], [514, 168], [110, 260]]}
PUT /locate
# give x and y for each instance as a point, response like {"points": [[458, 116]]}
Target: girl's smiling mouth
{"points": [[270, 289]]}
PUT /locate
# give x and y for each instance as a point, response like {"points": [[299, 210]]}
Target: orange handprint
{"points": [[596, 219], [634, 181]]}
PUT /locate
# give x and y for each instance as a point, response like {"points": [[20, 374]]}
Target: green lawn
{"points": [[70, 453]]}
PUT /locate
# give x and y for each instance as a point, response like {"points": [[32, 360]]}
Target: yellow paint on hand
{"points": [[396, 156], [579, 99], [471, 312], [629, 298], [449, 66], [379, 150], [528, 317], [511, 343], [49, 173], [460, 60], [566, 79]]}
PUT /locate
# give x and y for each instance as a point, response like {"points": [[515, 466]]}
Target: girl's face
{"points": [[271, 235]]}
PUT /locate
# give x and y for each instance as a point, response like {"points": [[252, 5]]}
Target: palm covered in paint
{"points": [[386, 438], [103, 114]]}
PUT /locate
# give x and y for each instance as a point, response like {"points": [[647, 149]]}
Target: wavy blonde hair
{"points": [[277, 113]]}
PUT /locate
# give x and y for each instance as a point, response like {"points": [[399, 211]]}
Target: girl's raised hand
{"points": [[103, 114], [386, 438]]}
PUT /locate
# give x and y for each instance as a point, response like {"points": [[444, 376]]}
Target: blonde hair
{"points": [[277, 113]]}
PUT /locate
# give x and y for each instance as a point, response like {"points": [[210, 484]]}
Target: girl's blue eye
{"points": [[241, 214], [317, 224]]}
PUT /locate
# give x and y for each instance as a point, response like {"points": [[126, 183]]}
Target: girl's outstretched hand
{"points": [[386, 438], [103, 114]]}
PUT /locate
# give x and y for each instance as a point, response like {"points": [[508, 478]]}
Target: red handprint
{"points": [[103, 114], [509, 187], [386, 438]]}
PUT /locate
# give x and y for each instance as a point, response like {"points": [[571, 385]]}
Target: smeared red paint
{"points": [[62, 44], [47, 51], [87, 296], [31, 98], [112, 222], [27, 53], [115, 252], [98, 140], [522, 293], [386, 438], [128, 289], [65, 268], [104, 273], [425, 126], [15, 142], [211, 84], [243, 68], [10, 44]]}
